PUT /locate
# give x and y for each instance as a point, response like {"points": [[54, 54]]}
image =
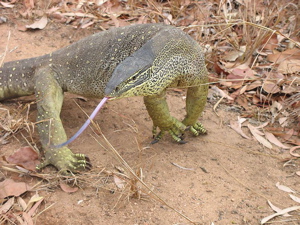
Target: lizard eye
{"points": [[134, 77], [116, 89]]}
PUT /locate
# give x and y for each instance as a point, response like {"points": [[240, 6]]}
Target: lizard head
{"points": [[133, 76], [137, 75]]}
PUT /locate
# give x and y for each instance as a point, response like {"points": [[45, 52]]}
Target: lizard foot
{"points": [[176, 131], [197, 129], [65, 161]]}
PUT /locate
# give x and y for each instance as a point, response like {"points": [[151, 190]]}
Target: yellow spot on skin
{"points": [[116, 49], [14, 69], [112, 58], [0, 71], [87, 62], [50, 60], [10, 75], [119, 39]]}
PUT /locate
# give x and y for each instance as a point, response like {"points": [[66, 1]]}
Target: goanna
{"points": [[137, 60]]}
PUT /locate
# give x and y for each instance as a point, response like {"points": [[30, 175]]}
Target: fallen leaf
{"points": [[119, 182], [22, 203], [221, 93], [274, 140], [35, 206], [257, 134], [66, 188], [270, 87], [282, 212], [288, 134], [278, 57], [7, 205], [233, 55], [7, 5], [33, 199], [40, 24], [295, 198], [284, 188], [9, 187], [27, 219], [276, 209], [271, 42], [289, 66], [292, 151], [25, 157], [235, 125]]}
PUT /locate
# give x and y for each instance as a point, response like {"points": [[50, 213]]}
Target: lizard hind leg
{"points": [[49, 96]]}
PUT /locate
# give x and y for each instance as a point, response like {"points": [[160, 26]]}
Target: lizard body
{"points": [[137, 60]]}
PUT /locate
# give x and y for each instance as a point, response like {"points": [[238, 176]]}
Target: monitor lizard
{"points": [[136, 60]]}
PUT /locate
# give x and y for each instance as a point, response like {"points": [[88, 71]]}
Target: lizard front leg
{"points": [[158, 110], [49, 96], [195, 102]]}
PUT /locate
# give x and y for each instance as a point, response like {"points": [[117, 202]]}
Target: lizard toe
{"points": [[198, 129]]}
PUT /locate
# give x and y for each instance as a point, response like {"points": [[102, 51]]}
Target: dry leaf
{"points": [[257, 134], [236, 125], [9, 187], [282, 212], [284, 188], [40, 24], [27, 219], [279, 57], [295, 198], [292, 151], [25, 157], [119, 182], [33, 199], [22, 203], [276, 209], [67, 188], [7, 5], [7, 205], [274, 140], [270, 87], [289, 66]]}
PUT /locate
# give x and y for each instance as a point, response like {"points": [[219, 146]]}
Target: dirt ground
{"points": [[229, 181]]}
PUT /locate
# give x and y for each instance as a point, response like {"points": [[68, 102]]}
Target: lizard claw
{"points": [[198, 129], [176, 133], [65, 161]]}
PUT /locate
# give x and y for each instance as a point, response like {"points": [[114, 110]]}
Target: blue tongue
{"points": [[85, 125]]}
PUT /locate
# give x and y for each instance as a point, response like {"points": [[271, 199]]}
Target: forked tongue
{"points": [[85, 125]]}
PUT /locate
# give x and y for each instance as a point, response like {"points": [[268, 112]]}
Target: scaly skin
{"points": [[141, 60]]}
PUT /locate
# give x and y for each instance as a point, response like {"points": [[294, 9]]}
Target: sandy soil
{"points": [[231, 177]]}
